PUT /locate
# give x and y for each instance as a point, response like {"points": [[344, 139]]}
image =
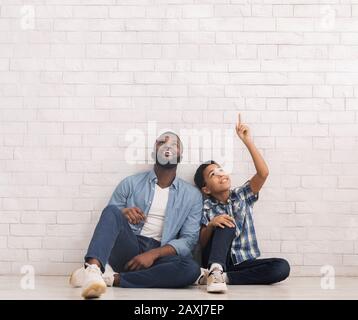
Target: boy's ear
{"points": [[205, 190]]}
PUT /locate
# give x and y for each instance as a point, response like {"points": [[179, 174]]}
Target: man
{"points": [[145, 235]]}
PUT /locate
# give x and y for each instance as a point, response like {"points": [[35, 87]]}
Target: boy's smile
{"points": [[224, 180]]}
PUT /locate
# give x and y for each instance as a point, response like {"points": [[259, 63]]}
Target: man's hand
{"points": [[134, 215], [142, 261], [222, 221], [243, 130]]}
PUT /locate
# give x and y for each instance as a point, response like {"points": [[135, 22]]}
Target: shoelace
{"points": [[92, 267], [108, 277], [218, 275], [203, 277]]}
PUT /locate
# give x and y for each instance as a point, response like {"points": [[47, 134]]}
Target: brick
{"points": [[12, 255], [91, 12], [27, 229], [197, 11], [127, 12], [55, 204], [322, 259], [41, 217], [73, 217], [45, 255]]}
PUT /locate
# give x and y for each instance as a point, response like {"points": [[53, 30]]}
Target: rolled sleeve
{"points": [[180, 247]]}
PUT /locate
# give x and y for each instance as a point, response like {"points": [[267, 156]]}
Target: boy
{"points": [[227, 235]]}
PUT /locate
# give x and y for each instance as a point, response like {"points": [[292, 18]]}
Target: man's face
{"points": [[216, 179], [168, 150]]}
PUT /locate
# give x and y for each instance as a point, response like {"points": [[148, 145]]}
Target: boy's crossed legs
{"points": [[255, 271]]}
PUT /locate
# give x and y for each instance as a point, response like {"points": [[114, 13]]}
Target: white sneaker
{"points": [[77, 277], [108, 275], [202, 279], [93, 284], [216, 282]]}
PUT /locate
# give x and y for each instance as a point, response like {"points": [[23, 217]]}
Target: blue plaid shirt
{"points": [[240, 207]]}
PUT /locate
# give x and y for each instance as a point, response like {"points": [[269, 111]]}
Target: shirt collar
{"points": [[153, 179], [212, 202]]}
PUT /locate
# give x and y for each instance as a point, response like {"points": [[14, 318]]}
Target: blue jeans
{"points": [[255, 271], [114, 242]]}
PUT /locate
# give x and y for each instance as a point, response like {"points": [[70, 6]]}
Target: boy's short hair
{"points": [[199, 174]]}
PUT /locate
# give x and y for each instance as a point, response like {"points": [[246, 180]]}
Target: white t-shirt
{"points": [[153, 227]]}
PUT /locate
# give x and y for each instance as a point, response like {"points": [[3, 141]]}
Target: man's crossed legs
{"points": [[114, 243]]}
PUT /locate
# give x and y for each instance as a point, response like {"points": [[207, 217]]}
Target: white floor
{"points": [[48, 288]]}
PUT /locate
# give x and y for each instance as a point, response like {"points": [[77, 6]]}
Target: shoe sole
{"points": [[73, 277], [217, 288], [73, 285], [94, 291]]}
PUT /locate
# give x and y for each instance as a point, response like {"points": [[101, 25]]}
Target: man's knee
{"points": [[113, 210], [190, 270]]}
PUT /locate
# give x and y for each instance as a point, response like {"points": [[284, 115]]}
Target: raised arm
{"points": [[262, 171]]}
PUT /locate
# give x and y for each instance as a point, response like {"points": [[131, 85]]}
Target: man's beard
{"points": [[168, 164]]}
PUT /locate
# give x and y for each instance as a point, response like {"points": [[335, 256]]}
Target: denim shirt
{"points": [[183, 211]]}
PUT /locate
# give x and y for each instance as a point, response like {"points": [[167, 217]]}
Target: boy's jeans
{"points": [[256, 271], [115, 243]]}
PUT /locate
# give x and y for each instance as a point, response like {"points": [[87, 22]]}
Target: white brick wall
{"points": [[80, 74]]}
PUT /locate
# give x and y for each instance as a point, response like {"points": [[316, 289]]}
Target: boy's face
{"points": [[216, 180]]}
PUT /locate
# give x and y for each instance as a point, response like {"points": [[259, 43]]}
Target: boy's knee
{"points": [[230, 229], [281, 270], [227, 231]]}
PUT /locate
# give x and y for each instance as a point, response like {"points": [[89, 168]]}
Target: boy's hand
{"points": [[134, 215], [222, 221], [243, 130]]}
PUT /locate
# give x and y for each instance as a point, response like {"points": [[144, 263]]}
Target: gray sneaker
{"points": [[216, 282]]}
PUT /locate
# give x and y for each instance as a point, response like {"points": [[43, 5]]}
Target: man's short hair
{"points": [[174, 134]]}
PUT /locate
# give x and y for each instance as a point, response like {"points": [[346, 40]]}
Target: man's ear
{"points": [[205, 190]]}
